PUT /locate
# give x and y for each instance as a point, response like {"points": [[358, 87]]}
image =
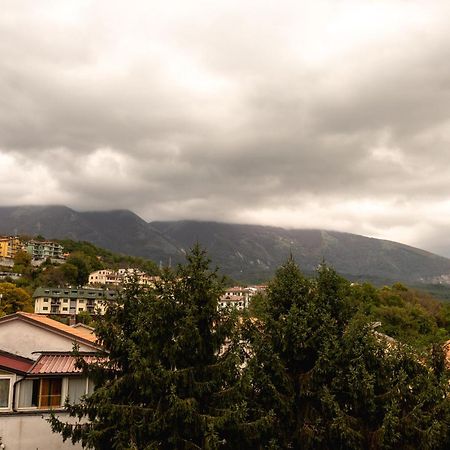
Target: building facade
{"points": [[44, 249], [236, 297], [239, 297], [109, 277], [71, 301], [37, 374], [9, 246]]}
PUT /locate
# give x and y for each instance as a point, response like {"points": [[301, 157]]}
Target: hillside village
{"points": [[68, 301]]}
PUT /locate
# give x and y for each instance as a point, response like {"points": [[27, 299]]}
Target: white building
{"points": [[71, 301], [239, 297], [37, 374], [108, 277], [103, 277], [236, 297]]}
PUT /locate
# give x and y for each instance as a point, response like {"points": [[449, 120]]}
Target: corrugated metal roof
{"points": [[58, 364], [15, 363]]}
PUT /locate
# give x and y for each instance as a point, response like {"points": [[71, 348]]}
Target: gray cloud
{"points": [[332, 114]]}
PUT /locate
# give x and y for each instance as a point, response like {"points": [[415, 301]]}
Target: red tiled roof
{"points": [[44, 320], [15, 363], [52, 364]]}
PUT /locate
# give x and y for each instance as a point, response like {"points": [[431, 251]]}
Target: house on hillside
{"points": [[236, 297], [108, 277], [239, 297], [40, 250], [71, 301], [9, 246], [37, 375]]}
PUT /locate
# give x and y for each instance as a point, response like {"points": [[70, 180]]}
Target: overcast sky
{"points": [[326, 114]]}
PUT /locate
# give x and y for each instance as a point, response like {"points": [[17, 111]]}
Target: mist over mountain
{"points": [[244, 252]]}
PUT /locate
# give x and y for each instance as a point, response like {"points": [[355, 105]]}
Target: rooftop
{"points": [[74, 293], [59, 363], [14, 363], [80, 332]]}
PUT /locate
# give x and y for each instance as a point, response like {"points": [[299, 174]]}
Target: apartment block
{"points": [[71, 301], [9, 246], [109, 277], [44, 249], [239, 297]]}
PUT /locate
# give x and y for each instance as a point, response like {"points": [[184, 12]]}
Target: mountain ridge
{"points": [[242, 251]]}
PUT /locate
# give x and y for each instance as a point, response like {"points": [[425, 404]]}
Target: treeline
{"points": [[309, 368], [409, 315]]}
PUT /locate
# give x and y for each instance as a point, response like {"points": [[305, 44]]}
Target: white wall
{"points": [[22, 338], [31, 432]]}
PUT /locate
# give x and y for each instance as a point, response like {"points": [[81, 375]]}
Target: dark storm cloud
{"points": [[332, 114]]}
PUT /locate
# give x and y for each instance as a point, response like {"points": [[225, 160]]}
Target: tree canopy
{"points": [[311, 371], [171, 380], [332, 380], [13, 299]]}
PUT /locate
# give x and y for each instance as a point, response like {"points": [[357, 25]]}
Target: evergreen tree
{"points": [[310, 372], [171, 377], [330, 380]]}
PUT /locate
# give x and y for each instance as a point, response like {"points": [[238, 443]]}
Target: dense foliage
{"points": [[332, 380], [83, 259], [173, 371], [311, 371], [410, 316], [13, 299]]}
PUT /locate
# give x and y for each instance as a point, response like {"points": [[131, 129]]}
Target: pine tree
{"points": [[171, 380], [310, 372], [333, 382]]}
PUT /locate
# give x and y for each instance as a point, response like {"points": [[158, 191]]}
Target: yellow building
{"points": [[9, 246]]}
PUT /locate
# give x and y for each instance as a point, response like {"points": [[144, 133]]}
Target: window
{"points": [[50, 392], [75, 389], [45, 308], [47, 393], [28, 393], [5, 392]]}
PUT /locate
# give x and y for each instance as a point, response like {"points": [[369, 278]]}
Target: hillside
{"points": [[244, 252], [120, 231]]}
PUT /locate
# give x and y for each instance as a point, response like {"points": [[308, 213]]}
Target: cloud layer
{"points": [[328, 114]]}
